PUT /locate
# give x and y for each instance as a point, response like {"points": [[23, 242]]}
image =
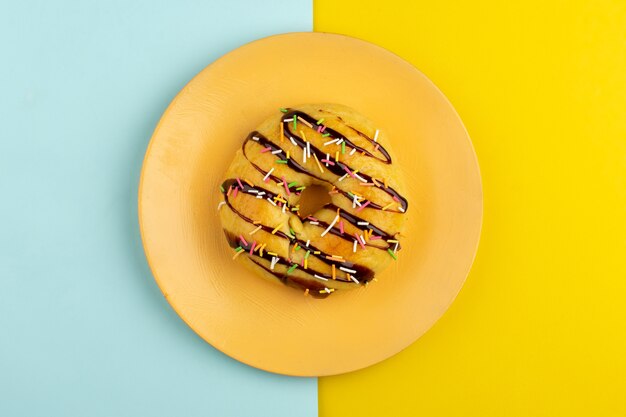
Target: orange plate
{"points": [[267, 325]]}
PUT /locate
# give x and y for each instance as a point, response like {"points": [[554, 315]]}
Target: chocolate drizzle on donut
{"points": [[350, 218], [363, 273], [228, 184], [338, 169], [336, 135], [354, 220], [378, 238], [290, 280]]}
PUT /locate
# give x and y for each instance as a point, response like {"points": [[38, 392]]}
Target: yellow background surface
{"points": [[540, 327]]}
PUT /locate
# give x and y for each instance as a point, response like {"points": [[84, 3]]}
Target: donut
{"points": [[346, 242]]}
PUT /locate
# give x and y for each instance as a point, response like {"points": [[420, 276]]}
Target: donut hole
{"points": [[313, 198]]}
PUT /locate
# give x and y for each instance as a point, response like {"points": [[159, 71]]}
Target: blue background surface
{"points": [[84, 330]]}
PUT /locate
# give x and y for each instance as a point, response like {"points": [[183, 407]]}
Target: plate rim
{"points": [[147, 155]]}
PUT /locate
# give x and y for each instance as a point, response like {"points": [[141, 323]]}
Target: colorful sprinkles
{"points": [[365, 234]]}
